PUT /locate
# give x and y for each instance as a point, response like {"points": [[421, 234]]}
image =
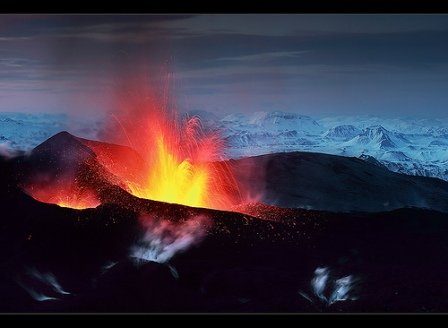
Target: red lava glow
{"points": [[174, 159], [165, 157], [177, 160], [65, 196]]}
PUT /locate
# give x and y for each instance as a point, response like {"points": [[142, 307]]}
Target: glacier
{"points": [[414, 146], [409, 145]]}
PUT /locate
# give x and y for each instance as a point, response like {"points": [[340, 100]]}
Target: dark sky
{"points": [[311, 64]]}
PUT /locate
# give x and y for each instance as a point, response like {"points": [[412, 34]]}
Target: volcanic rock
{"points": [[335, 183]]}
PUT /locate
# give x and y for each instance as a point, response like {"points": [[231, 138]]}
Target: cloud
{"points": [[15, 26], [12, 38], [266, 56], [416, 48], [214, 55], [311, 25]]}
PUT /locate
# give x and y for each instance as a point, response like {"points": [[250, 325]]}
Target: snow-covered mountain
{"points": [[342, 132], [377, 138], [282, 122], [407, 145], [24, 131], [264, 132]]}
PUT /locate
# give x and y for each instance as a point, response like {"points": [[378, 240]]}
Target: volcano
{"points": [[114, 252], [327, 182]]}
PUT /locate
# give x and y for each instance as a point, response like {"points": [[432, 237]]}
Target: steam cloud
{"points": [[330, 290], [45, 281], [164, 239], [6, 151]]}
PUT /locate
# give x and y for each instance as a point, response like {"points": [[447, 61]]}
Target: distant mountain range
{"points": [[405, 145]]}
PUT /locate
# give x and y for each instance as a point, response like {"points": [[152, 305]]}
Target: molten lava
{"points": [[174, 180], [65, 196], [167, 158], [77, 203], [178, 162]]}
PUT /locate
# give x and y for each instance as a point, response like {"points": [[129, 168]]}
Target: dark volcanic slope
{"points": [[336, 183], [62, 155], [298, 179], [55, 259]]}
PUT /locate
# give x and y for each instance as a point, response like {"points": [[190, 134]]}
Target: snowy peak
{"points": [[375, 130], [345, 132], [281, 121], [378, 135], [235, 118], [374, 137], [277, 115]]}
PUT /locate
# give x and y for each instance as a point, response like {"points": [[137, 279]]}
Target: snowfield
{"points": [[405, 145]]}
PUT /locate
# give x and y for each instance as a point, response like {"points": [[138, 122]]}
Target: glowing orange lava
{"points": [[168, 158], [179, 167], [174, 180], [78, 204], [65, 196]]}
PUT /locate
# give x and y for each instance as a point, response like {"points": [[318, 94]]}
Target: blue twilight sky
{"points": [[311, 64]]}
